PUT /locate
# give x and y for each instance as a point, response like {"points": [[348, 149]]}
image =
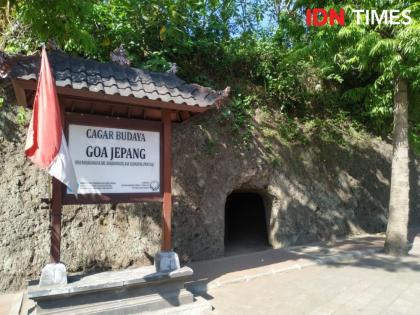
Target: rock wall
{"points": [[311, 192], [93, 237], [314, 191]]}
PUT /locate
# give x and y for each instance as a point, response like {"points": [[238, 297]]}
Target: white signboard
{"points": [[114, 160]]}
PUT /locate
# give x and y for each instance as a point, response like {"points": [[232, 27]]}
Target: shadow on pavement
{"points": [[362, 252]]}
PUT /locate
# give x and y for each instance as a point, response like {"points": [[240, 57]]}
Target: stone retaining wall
{"points": [[312, 192]]}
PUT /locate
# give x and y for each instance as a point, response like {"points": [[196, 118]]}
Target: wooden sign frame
{"points": [[165, 196], [122, 123], [169, 112]]}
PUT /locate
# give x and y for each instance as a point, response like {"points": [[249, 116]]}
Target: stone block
{"points": [[53, 274], [166, 261]]}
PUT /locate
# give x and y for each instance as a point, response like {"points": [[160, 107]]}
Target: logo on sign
{"points": [[154, 185]]}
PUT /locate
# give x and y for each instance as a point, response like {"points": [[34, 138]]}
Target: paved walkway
{"points": [[10, 304], [210, 274], [351, 277]]}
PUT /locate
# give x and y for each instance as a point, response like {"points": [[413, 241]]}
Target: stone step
{"points": [[10, 304], [130, 291]]}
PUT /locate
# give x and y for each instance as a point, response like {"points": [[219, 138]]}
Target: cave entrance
{"points": [[245, 223]]}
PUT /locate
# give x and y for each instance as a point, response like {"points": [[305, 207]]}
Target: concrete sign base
{"points": [[130, 291], [166, 261], [53, 274]]}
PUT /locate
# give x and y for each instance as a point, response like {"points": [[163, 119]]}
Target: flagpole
{"points": [[56, 210], [46, 146]]}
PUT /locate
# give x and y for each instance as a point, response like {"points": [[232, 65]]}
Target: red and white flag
{"points": [[46, 145]]}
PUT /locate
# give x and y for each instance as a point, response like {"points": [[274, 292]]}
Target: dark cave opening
{"points": [[245, 223]]}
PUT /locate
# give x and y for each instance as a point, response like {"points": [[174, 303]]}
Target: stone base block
{"points": [[166, 261], [53, 274]]}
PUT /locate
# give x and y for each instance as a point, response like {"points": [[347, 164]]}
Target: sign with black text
{"points": [[115, 160]]}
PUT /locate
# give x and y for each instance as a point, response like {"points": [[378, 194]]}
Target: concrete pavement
{"points": [[357, 281], [10, 304], [349, 276], [215, 273], [375, 284]]}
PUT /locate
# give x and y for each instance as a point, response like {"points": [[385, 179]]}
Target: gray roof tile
{"points": [[113, 79]]}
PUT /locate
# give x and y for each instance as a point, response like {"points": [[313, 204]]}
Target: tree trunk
{"points": [[396, 233]]}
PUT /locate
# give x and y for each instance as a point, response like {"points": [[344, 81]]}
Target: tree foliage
{"points": [[365, 60], [262, 48]]}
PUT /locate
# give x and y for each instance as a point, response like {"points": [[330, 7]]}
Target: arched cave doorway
{"points": [[245, 223]]}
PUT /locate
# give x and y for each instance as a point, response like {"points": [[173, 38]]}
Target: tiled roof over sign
{"points": [[113, 79]]}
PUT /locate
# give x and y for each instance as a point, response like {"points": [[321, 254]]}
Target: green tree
{"points": [[191, 33], [375, 66]]}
